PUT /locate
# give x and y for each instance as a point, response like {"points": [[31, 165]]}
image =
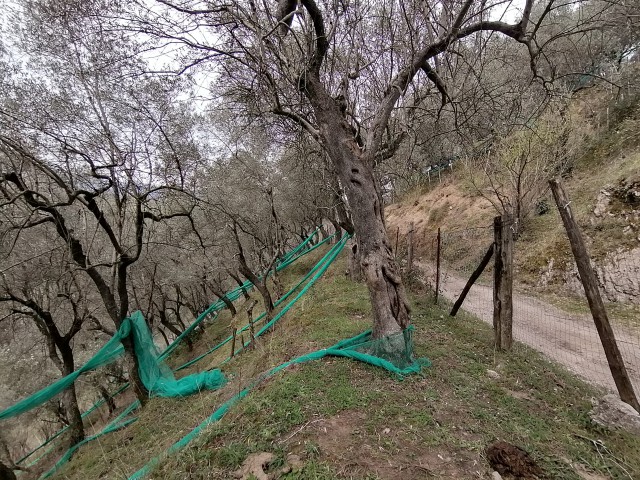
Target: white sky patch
{"points": [[509, 11]]}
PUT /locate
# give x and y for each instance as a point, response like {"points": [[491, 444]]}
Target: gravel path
{"points": [[569, 339]]}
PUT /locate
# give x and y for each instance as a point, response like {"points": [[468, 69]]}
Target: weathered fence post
{"points": [[590, 284], [410, 249], [474, 276], [503, 282], [439, 243]]}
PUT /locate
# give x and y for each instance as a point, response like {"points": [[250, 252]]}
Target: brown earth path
{"points": [[569, 339]]}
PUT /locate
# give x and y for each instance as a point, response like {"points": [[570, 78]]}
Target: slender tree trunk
{"points": [[260, 283], [164, 336], [164, 320], [323, 231], [266, 296], [70, 399], [229, 304], [338, 229], [133, 367], [118, 314], [278, 288], [355, 171], [183, 327], [240, 284], [111, 404]]}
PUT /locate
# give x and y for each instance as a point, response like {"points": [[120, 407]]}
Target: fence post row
{"points": [[503, 282], [596, 305]]}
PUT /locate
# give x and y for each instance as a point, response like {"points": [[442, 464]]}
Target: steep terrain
{"points": [[340, 419], [604, 187]]}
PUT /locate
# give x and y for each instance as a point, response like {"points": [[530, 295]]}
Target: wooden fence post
{"points": [[410, 249], [438, 246], [590, 284], [503, 282], [474, 276]]}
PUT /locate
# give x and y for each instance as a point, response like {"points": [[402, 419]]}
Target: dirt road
{"points": [[569, 339]]}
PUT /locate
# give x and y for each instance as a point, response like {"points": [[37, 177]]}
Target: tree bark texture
{"points": [[410, 248], [133, 367], [70, 399], [355, 171], [240, 283], [353, 261]]}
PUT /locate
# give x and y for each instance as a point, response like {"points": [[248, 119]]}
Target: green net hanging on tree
{"points": [[156, 376]]}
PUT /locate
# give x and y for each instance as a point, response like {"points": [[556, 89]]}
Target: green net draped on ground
{"points": [[113, 349], [393, 353], [311, 277], [157, 376], [398, 359], [154, 373]]}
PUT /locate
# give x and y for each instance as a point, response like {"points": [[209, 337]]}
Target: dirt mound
{"points": [[445, 205]]}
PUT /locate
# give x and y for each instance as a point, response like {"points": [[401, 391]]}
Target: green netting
{"points": [[400, 362], [108, 353], [289, 258], [155, 375], [393, 353], [395, 349], [321, 266], [95, 406], [117, 423]]}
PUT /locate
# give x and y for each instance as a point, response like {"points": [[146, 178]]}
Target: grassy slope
{"points": [[349, 420]]}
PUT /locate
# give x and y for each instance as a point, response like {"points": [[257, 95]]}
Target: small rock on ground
{"points": [[254, 466]]}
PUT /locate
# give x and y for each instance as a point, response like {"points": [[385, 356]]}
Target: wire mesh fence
{"points": [[560, 326]]}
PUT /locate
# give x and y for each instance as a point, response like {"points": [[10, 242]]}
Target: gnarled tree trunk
{"points": [[355, 171]]}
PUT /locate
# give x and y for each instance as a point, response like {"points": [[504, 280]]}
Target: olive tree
{"points": [[352, 75], [96, 162]]}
